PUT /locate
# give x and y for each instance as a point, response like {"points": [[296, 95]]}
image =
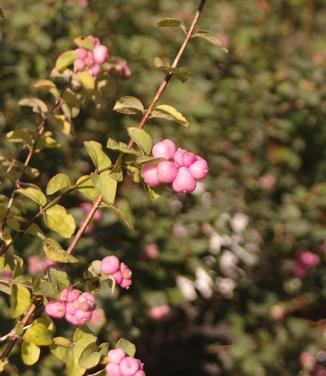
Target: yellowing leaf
{"points": [[34, 193], [38, 334], [57, 182], [97, 155], [30, 353], [55, 252], [129, 105], [128, 347], [20, 300], [167, 112], [65, 59], [60, 220], [87, 80], [142, 139], [106, 185]]}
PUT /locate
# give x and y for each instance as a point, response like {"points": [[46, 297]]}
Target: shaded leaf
{"points": [[171, 22], [97, 155], [210, 37], [34, 193], [128, 347], [106, 185], [129, 105], [142, 139], [20, 300], [55, 252], [65, 59], [36, 104], [120, 146], [87, 188]]}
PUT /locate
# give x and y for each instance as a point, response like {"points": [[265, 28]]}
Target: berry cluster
{"points": [[111, 265], [179, 167], [91, 60], [76, 306], [122, 365]]}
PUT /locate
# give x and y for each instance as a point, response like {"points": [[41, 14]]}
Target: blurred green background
{"points": [[224, 260]]}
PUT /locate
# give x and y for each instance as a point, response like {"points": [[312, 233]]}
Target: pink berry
{"points": [[188, 159], [166, 171], [110, 265], [308, 258], [72, 319], [81, 53], [87, 301], [140, 373], [125, 271], [100, 54], [89, 61], [126, 283], [184, 182], [118, 277], [129, 366], [199, 169], [95, 70], [72, 307], [113, 369], [149, 174], [55, 309], [64, 294], [178, 156], [73, 295], [164, 149], [116, 355], [83, 317], [96, 41]]}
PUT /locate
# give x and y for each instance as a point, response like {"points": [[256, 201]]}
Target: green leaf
{"points": [[59, 181], [30, 353], [120, 146], [63, 123], [87, 80], [90, 357], [84, 42], [60, 220], [182, 73], [87, 188], [36, 104], [97, 155], [123, 217], [142, 139], [34, 193], [55, 252], [35, 230], [167, 112], [129, 105], [47, 141], [128, 347], [170, 22], [210, 37], [38, 334], [155, 193], [20, 300], [65, 59], [21, 136], [59, 347], [106, 185]]}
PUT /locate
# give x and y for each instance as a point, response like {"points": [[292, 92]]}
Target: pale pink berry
{"points": [[188, 159], [73, 294], [166, 171], [72, 307], [113, 369], [98, 317], [184, 182], [95, 70], [87, 301], [149, 174], [110, 265], [79, 65], [100, 54], [83, 317], [118, 277], [55, 309], [164, 149], [116, 355], [72, 319], [178, 156], [129, 366], [199, 169], [81, 53], [140, 373], [126, 283], [125, 271], [159, 312], [89, 59]]}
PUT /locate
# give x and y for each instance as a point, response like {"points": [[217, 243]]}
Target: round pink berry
{"points": [[199, 169], [79, 65], [140, 373], [110, 265], [184, 182], [73, 294], [87, 301], [129, 366], [118, 277], [72, 307], [55, 309], [113, 369], [100, 54], [81, 53], [149, 174], [188, 159], [72, 319], [96, 41], [83, 317], [164, 149], [116, 355], [125, 271], [89, 61], [126, 283], [166, 171], [178, 156], [95, 70]]}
